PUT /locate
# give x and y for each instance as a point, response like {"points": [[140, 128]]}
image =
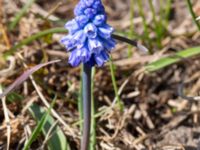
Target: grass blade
{"points": [[38, 128], [57, 141], [144, 22], [189, 3], [163, 62], [131, 33], [20, 14], [119, 102], [33, 38], [25, 76]]}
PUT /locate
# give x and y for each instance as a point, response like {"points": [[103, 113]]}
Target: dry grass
{"points": [[154, 116]]}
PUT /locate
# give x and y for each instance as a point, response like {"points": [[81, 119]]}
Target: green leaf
{"points": [[20, 14], [37, 130], [25, 76], [32, 38], [163, 62], [14, 97], [57, 141]]}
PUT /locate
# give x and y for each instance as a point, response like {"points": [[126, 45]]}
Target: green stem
{"points": [[153, 12], [130, 53], [145, 26], [80, 102], [167, 12], [141, 12], [193, 14], [119, 102], [93, 119], [158, 25]]}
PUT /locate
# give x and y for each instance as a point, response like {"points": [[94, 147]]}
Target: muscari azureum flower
{"points": [[89, 36]]}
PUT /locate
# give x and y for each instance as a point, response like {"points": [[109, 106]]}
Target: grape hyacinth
{"points": [[90, 40], [89, 36]]}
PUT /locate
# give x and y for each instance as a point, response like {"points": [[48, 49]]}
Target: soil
{"points": [[155, 115]]}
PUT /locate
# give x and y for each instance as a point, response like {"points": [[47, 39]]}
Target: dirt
{"points": [[155, 116]]}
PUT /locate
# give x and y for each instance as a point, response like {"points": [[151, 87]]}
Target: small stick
{"points": [[182, 95], [1, 11], [7, 120], [131, 42], [54, 9], [124, 39]]}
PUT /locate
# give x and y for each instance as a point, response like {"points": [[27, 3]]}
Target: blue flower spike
{"points": [[90, 40], [89, 36]]}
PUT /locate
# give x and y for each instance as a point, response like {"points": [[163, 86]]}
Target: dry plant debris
{"points": [[154, 116]]}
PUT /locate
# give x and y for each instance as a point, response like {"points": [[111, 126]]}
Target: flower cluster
{"points": [[89, 36]]}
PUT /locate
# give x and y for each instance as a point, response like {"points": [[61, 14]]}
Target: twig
{"points": [[120, 91], [54, 9], [182, 95], [124, 39], [7, 120], [6, 72], [5, 36], [1, 11], [131, 42]]}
